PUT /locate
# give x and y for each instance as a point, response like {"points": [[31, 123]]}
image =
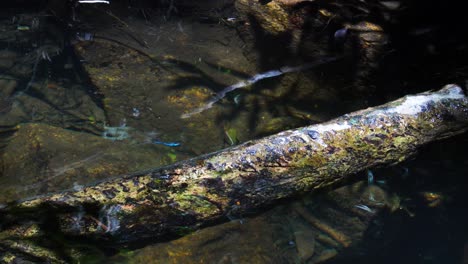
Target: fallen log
{"points": [[182, 197]]}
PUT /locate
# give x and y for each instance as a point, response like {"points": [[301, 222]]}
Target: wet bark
{"points": [[175, 199]]}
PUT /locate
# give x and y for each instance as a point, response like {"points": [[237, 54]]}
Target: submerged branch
{"points": [[256, 78]]}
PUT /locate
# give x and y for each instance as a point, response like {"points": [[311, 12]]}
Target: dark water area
{"points": [[92, 91]]}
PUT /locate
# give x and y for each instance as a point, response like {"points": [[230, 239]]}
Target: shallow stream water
{"points": [[121, 93]]}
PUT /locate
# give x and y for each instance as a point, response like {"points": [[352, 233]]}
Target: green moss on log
{"points": [[188, 194]]}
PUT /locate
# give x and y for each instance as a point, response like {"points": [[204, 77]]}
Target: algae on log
{"points": [[174, 199]]}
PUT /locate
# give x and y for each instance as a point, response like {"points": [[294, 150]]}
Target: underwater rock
{"points": [[211, 244], [305, 243], [41, 158], [271, 16]]}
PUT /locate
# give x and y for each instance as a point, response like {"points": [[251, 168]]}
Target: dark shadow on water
{"points": [[203, 79]]}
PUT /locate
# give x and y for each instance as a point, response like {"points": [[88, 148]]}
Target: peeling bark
{"points": [[175, 199]]}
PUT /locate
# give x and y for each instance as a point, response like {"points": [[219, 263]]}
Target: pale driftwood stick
{"points": [[257, 77], [186, 195]]}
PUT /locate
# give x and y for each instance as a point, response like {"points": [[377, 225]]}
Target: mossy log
{"points": [[178, 198]]}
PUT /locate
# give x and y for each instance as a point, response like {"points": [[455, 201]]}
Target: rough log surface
{"points": [[174, 199]]}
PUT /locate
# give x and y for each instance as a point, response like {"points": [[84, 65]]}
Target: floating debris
{"points": [[364, 207], [84, 36], [231, 135], [432, 199], [391, 5], [22, 28], [340, 34], [136, 112], [116, 133]]}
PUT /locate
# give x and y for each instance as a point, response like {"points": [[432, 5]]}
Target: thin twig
{"points": [[256, 78]]}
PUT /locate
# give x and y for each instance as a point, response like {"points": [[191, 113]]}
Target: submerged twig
{"points": [[64, 169], [256, 78]]}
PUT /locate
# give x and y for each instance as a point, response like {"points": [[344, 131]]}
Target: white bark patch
{"points": [[414, 104], [331, 127]]}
